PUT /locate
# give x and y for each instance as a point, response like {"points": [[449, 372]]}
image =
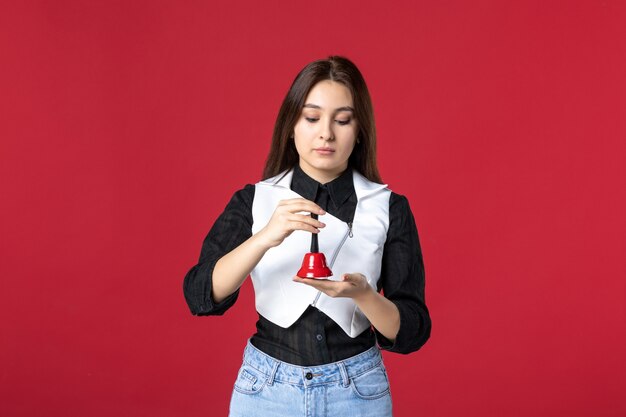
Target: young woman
{"points": [[316, 351]]}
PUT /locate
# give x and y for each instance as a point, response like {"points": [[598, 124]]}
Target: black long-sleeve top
{"points": [[315, 338]]}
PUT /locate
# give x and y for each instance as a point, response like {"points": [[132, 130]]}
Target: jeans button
{"points": [[319, 337], [308, 376]]}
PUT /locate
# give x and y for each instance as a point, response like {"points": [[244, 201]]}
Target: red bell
{"points": [[314, 262], [314, 266]]}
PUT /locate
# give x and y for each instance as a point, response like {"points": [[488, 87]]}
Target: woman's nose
{"points": [[326, 131]]}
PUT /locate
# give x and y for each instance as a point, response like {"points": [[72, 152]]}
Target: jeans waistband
{"points": [[339, 371]]}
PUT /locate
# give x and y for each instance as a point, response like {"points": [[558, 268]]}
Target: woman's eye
{"points": [[340, 122]]}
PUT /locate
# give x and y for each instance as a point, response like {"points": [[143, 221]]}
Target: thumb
{"points": [[354, 277]]}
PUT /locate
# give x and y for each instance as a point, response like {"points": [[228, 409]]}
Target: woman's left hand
{"points": [[352, 285]]}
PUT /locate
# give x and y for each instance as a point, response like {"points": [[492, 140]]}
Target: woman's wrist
{"points": [[381, 312], [261, 242], [365, 296]]}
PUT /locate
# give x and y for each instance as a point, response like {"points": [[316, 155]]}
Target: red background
{"points": [[126, 127]]}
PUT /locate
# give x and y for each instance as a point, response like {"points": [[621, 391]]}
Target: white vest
{"points": [[281, 300]]}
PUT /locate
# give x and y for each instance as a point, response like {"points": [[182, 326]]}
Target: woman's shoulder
{"points": [[243, 196], [397, 198], [399, 205], [246, 194], [247, 189]]}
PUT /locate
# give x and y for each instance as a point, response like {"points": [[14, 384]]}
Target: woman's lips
{"points": [[325, 151]]}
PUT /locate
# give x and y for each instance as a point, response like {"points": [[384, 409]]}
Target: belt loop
{"points": [[345, 380], [270, 381]]}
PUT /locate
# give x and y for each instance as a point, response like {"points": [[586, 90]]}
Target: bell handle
{"points": [[314, 244]]}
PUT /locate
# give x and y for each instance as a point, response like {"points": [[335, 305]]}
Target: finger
{"points": [[300, 279], [306, 219], [291, 200], [330, 288], [348, 279], [353, 278], [306, 281], [297, 225], [300, 204], [319, 284]]}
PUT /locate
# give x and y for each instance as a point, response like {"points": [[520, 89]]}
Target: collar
{"points": [[339, 189], [362, 186]]}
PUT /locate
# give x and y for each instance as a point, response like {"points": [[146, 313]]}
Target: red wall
{"points": [[126, 127]]}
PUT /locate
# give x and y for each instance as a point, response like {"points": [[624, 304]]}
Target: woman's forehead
{"points": [[329, 95]]}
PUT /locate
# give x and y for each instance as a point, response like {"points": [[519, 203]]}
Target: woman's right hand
{"points": [[286, 219]]}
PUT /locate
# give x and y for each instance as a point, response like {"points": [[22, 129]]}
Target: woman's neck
{"points": [[320, 176]]}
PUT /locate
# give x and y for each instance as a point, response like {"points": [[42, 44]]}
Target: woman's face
{"points": [[326, 131]]}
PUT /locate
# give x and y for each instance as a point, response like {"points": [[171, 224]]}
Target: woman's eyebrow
{"points": [[338, 109]]}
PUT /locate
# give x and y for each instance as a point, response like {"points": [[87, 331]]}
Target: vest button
{"points": [[308, 376]]}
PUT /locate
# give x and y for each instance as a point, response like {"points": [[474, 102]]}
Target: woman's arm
{"points": [[231, 228], [382, 313], [400, 318], [230, 251], [232, 270], [402, 279]]}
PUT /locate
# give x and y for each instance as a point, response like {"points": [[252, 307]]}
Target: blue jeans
{"points": [[355, 387]]}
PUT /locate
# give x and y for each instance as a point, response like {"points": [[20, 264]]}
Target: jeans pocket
{"points": [[250, 380], [372, 384]]}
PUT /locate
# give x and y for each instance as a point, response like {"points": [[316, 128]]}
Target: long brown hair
{"points": [[283, 154]]}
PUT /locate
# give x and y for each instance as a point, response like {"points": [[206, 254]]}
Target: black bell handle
{"points": [[314, 245]]}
